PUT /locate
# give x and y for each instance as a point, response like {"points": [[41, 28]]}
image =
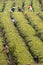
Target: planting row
{"points": [[36, 6], [34, 43], [3, 56], [1, 6], [41, 15], [8, 6], [16, 44], [36, 23], [19, 3]]}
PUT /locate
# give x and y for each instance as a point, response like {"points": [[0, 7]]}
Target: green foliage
{"points": [[15, 41], [1, 6], [17, 46], [27, 3], [41, 15], [28, 32], [8, 6], [3, 57], [36, 6], [36, 22]]}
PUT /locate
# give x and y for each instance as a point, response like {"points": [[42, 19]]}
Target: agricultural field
{"points": [[21, 32]]}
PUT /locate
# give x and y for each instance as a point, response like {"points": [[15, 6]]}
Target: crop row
{"points": [[8, 6], [36, 23], [36, 6], [28, 33], [1, 6], [16, 43], [41, 15], [3, 56]]}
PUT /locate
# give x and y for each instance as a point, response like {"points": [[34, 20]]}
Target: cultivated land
{"points": [[24, 37]]}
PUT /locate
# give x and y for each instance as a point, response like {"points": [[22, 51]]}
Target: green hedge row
{"points": [[36, 6], [27, 4], [42, 1], [8, 6], [28, 32], [19, 3], [16, 43], [36, 23], [1, 6], [3, 56], [41, 15]]}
